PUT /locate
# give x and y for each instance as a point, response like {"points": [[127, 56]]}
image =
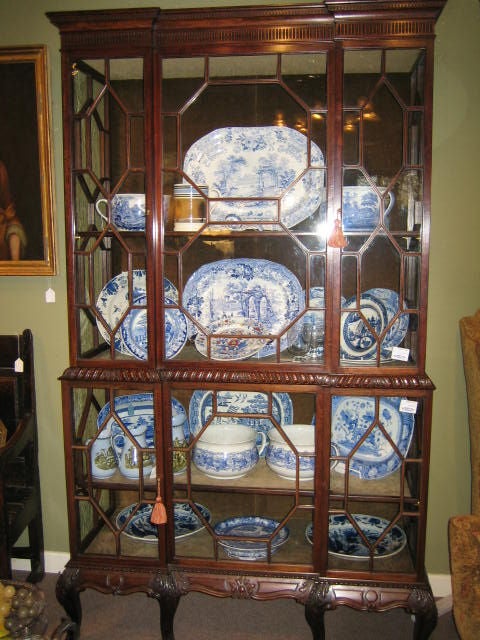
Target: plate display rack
{"points": [[246, 409]]}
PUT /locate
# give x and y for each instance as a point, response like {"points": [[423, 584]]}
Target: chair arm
{"points": [[464, 545]]}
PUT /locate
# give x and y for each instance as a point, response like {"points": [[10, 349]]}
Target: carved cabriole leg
{"points": [[68, 595], [316, 604], [167, 591], [422, 605]]}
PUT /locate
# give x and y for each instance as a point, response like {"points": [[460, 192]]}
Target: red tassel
{"points": [[159, 513], [337, 239]]}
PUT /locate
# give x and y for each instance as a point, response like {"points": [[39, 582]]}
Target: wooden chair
{"points": [[464, 530], [20, 503]]}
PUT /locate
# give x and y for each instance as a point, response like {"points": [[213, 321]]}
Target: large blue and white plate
{"points": [[248, 403], [256, 291], [134, 329], [344, 538], [139, 527], [352, 416], [175, 330], [113, 302], [170, 291], [136, 409], [360, 327], [258, 162], [397, 332], [250, 527]]}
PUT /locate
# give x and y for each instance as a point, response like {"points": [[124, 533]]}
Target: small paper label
{"points": [[408, 406], [18, 365], [153, 473], [399, 353], [50, 295]]}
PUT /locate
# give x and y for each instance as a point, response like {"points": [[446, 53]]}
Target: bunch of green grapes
{"points": [[7, 591], [19, 607]]}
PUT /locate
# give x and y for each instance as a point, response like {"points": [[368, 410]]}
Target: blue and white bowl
{"points": [[249, 537], [227, 450], [282, 458]]}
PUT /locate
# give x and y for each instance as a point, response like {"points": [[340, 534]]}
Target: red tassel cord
{"points": [[159, 513], [337, 239]]}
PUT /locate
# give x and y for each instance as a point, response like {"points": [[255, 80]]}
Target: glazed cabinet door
{"points": [[110, 202], [379, 453], [384, 207], [114, 450], [244, 191], [244, 475]]}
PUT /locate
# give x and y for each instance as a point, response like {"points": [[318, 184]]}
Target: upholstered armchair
{"points": [[464, 530]]}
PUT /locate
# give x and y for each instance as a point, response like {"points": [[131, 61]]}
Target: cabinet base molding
{"points": [[318, 594]]}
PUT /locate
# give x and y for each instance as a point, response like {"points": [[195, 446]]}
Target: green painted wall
{"points": [[455, 267]]}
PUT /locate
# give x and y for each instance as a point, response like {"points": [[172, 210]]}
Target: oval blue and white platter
{"points": [[258, 162], [253, 290]]}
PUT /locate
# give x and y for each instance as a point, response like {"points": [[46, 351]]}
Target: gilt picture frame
{"points": [[27, 233]]}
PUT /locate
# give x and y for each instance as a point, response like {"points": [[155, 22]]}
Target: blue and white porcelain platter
{"points": [[250, 527], [352, 416], [139, 527], [244, 402], [360, 329], [113, 300], [231, 340], [258, 162], [397, 332], [253, 290], [137, 409], [345, 540]]}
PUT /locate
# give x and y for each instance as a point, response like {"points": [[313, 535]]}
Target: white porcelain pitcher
{"points": [[129, 454]]}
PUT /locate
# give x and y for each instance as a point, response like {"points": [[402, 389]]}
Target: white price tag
{"points": [[18, 365], [399, 353], [153, 473], [50, 295], [408, 406]]}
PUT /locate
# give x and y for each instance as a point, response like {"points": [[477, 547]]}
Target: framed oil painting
{"points": [[27, 244]]}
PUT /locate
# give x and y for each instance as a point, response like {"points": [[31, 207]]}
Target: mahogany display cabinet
{"points": [[246, 410]]}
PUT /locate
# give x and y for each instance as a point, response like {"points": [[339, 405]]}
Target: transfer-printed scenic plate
{"points": [[352, 417], [255, 291]]}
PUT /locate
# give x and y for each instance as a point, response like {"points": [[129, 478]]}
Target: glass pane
{"points": [[243, 67]]}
